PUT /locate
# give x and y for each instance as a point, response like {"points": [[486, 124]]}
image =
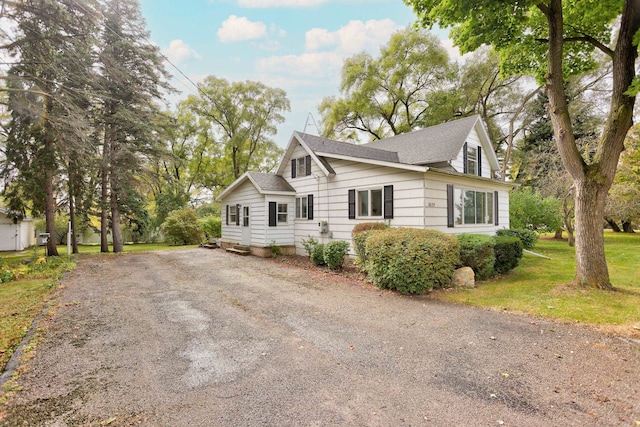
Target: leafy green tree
{"points": [[529, 209], [555, 39], [398, 91], [233, 125], [623, 203]]}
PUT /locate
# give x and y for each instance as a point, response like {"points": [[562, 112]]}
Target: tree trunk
{"points": [[118, 244], [72, 220], [558, 234], [104, 197], [613, 225], [592, 270], [114, 186], [49, 202], [592, 180], [627, 227]]}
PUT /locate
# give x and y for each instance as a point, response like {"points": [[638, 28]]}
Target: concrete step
{"points": [[238, 251]]}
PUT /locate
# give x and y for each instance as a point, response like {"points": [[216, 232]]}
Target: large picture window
{"points": [[473, 207]]}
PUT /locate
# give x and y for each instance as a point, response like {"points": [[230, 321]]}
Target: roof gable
{"points": [[265, 183]]}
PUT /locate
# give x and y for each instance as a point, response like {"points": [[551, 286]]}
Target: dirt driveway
{"points": [[202, 338]]}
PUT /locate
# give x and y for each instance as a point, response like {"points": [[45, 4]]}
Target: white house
{"points": [[441, 177], [15, 235]]}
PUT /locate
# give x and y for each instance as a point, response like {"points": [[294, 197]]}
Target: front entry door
{"points": [[246, 226]]}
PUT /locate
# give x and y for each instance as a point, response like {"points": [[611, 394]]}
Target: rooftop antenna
{"points": [[310, 116]]}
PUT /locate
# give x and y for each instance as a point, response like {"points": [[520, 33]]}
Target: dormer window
{"points": [[301, 167], [472, 159]]}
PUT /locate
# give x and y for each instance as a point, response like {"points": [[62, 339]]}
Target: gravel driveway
{"points": [[199, 337]]}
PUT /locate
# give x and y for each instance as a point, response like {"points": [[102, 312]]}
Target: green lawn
{"points": [[540, 287]]}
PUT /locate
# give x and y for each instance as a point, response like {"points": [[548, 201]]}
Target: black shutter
{"points": [[307, 165], [227, 215], [388, 201], [479, 161], [273, 214], [495, 207], [310, 206], [450, 206], [237, 214], [293, 168], [352, 204], [465, 168]]}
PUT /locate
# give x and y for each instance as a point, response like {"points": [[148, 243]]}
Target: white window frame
{"points": [[301, 167], [472, 161], [282, 213], [233, 212], [369, 193], [302, 207], [462, 195]]}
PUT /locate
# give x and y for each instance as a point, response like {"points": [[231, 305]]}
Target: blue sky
{"points": [[295, 45]]}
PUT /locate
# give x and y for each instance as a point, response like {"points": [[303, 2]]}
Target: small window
{"points": [[233, 214], [283, 211], [302, 207], [370, 203], [472, 160], [245, 216]]}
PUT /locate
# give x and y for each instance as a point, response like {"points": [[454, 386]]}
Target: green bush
{"points": [[360, 233], [477, 252], [182, 227], [317, 254], [309, 244], [212, 226], [411, 261], [334, 253], [529, 238], [528, 209], [508, 251]]}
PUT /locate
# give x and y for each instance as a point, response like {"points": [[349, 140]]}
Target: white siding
{"points": [[473, 141], [436, 203], [281, 234], [245, 195]]}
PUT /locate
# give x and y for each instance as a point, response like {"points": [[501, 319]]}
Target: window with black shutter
{"points": [[352, 204], [310, 206], [450, 207], [388, 201], [273, 214]]}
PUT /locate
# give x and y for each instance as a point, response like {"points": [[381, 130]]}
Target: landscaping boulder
{"points": [[463, 278]]}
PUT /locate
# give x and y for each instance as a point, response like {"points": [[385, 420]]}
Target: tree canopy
{"points": [[553, 40]]}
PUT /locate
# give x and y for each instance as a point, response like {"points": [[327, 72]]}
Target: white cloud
{"points": [[453, 51], [312, 65], [178, 51], [354, 37], [236, 29]]}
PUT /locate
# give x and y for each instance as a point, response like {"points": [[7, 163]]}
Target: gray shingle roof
{"points": [[440, 143], [269, 182], [323, 145]]}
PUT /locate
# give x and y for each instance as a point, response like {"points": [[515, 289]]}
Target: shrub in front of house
{"points": [[508, 251], [477, 252], [359, 235], [212, 226], [334, 253], [529, 238], [317, 254], [411, 261], [182, 227]]}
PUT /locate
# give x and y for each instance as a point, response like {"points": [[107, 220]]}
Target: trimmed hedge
{"points": [[411, 261], [529, 238], [334, 253], [508, 251], [359, 235], [477, 252]]}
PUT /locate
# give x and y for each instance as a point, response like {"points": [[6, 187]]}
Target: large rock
{"points": [[463, 278]]}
